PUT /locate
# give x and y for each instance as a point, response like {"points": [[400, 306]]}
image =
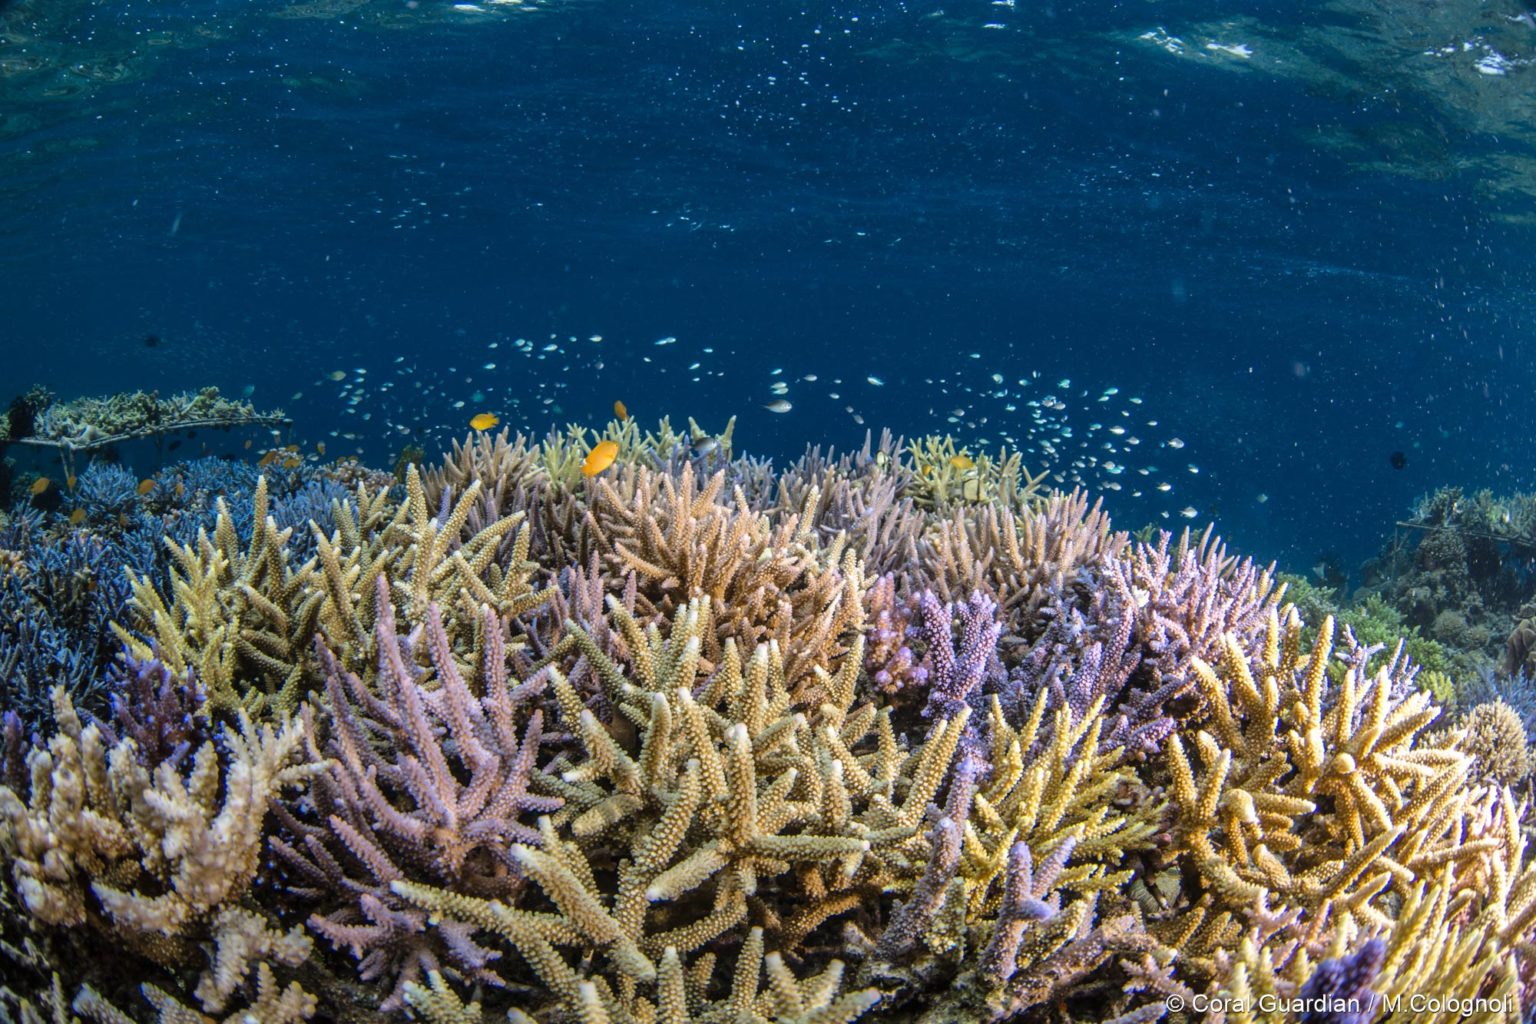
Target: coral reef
{"points": [[701, 740], [1456, 570]]}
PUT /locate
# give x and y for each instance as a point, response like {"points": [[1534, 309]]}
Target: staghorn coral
{"points": [[765, 579], [954, 667], [107, 493], [239, 618], [158, 858], [1318, 817], [1005, 923], [1021, 558], [272, 1003], [1345, 979], [888, 656], [1495, 737], [943, 476], [1132, 640], [397, 802], [55, 618], [245, 619], [651, 747], [157, 709], [732, 794]]}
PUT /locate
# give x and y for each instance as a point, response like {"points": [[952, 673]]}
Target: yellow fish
{"points": [[40, 485], [145, 486], [77, 517], [181, 488], [619, 411], [961, 462], [484, 421], [69, 481], [600, 458], [267, 459]]}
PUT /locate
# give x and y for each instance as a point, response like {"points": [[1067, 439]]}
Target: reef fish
{"points": [[484, 420], [620, 411], [778, 406], [145, 486], [599, 458], [40, 485]]}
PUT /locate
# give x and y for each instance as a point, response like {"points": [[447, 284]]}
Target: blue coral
{"points": [[107, 493], [56, 611], [316, 503]]}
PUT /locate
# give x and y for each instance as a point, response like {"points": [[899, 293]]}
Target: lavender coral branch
{"points": [[956, 670], [1340, 988], [427, 783]]}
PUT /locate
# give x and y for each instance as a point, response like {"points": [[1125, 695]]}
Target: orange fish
{"points": [[619, 411], [292, 463], [77, 517], [267, 459], [69, 481], [484, 420], [145, 486], [599, 458], [40, 485], [181, 488]]}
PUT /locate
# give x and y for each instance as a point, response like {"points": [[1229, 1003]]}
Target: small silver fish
{"points": [[778, 406]]}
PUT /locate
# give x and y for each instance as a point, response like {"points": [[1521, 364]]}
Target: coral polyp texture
{"points": [[890, 735]]}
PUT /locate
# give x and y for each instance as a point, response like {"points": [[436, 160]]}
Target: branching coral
{"points": [[943, 475], [1325, 816], [1021, 558], [765, 579], [731, 794], [56, 610], [1495, 737], [245, 619], [699, 740], [158, 857], [424, 782]]}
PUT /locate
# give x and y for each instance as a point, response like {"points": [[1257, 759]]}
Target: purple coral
{"points": [[1339, 991], [955, 670], [427, 783], [1024, 900], [888, 656], [157, 709]]}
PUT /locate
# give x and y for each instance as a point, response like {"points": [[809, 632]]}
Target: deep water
{"points": [[1305, 256]]}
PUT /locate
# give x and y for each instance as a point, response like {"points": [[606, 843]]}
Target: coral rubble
{"points": [[894, 734]]}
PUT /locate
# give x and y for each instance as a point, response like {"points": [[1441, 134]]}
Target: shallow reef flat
{"points": [[890, 735]]}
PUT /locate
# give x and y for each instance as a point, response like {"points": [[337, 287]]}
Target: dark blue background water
{"points": [[1296, 258]]}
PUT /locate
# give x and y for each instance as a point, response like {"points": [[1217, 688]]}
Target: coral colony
{"points": [[894, 735]]}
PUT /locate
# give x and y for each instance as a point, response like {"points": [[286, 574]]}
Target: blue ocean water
{"points": [[1299, 235]]}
